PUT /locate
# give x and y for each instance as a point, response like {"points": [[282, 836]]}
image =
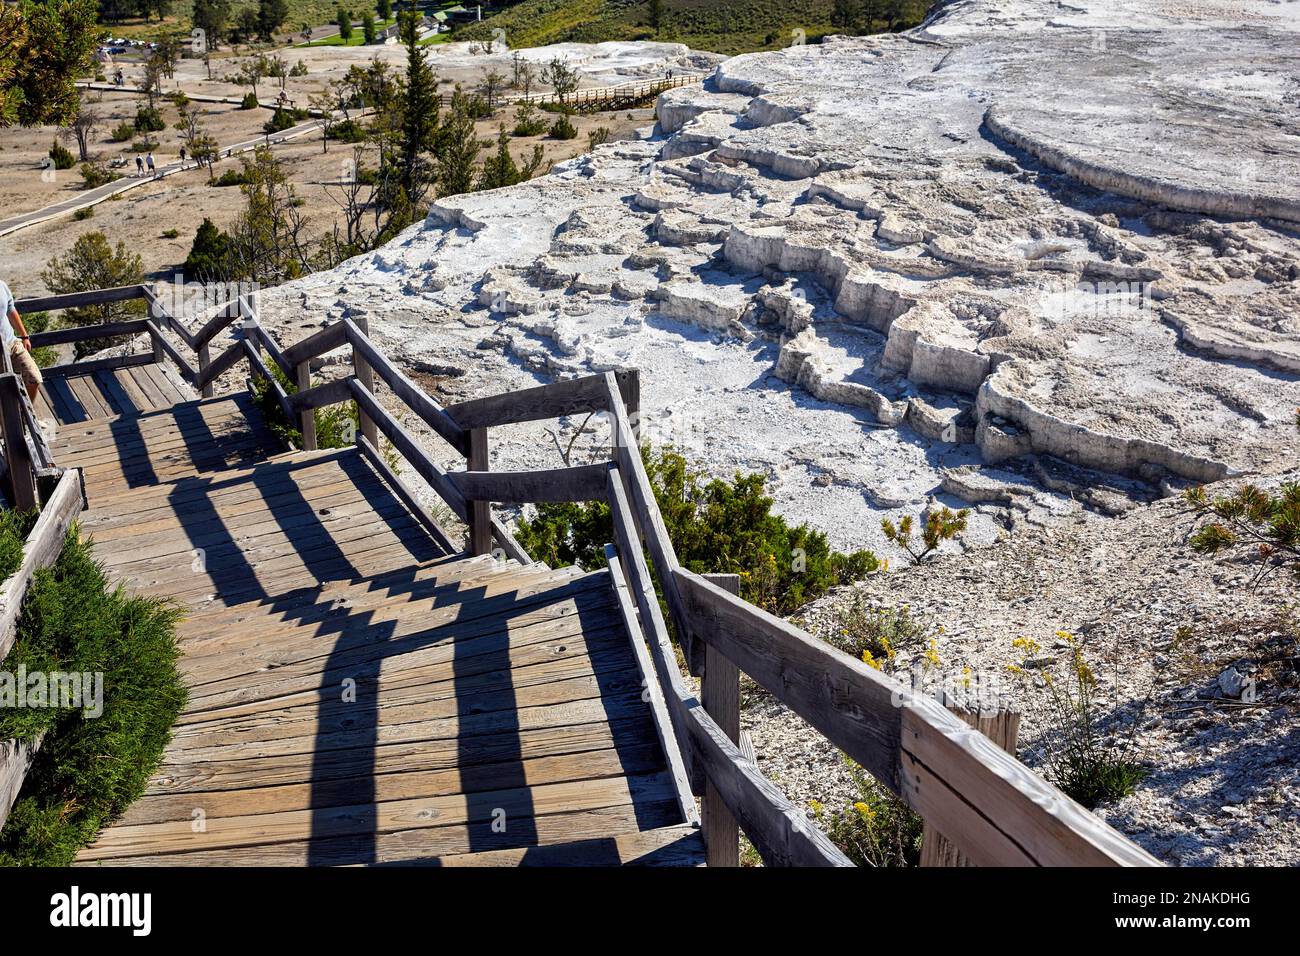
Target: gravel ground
{"points": [[1159, 624]]}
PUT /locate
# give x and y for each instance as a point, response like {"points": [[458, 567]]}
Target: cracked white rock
{"points": [[1000, 250]]}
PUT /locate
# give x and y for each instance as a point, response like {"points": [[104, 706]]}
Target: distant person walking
{"points": [[149, 160], [15, 341], [139, 166], [182, 154]]}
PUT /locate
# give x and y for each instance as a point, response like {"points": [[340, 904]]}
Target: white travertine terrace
{"points": [[1034, 241]]}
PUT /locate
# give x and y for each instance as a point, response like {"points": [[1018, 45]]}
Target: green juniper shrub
{"points": [[563, 128], [209, 257], [231, 177], [715, 526], [148, 119], [88, 770], [280, 121], [97, 174], [14, 528], [86, 212], [336, 426], [876, 829], [123, 132], [249, 102], [528, 122], [43, 355], [347, 131], [62, 156]]}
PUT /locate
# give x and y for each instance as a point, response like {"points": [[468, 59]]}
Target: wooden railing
{"points": [[40, 550], [989, 806]]}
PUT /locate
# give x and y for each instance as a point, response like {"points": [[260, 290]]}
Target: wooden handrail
{"points": [[77, 300], [579, 483], [429, 411], [779, 831], [82, 332], [41, 549]]}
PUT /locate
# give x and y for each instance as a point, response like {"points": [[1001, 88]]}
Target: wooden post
{"points": [[22, 480], [720, 694], [366, 376], [1000, 726], [159, 355], [480, 512], [205, 357], [306, 417]]}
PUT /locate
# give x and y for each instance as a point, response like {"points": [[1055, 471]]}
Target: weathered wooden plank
{"points": [[407, 496], [385, 817], [40, 550], [82, 332], [160, 341], [720, 696], [649, 521], [164, 318], [511, 548], [779, 831], [326, 340], [15, 760], [222, 680], [377, 760], [852, 705], [409, 449], [579, 483], [261, 371], [663, 846], [975, 776], [217, 367], [426, 845], [321, 396], [75, 300], [652, 690], [429, 411], [409, 784], [573, 396], [66, 369], [21, 480]]}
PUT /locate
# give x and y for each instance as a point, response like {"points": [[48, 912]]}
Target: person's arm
{"points": [[20, 330]]}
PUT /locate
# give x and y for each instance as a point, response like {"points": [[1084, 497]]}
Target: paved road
{"points": [[92, 196]]}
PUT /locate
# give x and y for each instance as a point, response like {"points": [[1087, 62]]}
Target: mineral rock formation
{"points": [[1026, 235]]}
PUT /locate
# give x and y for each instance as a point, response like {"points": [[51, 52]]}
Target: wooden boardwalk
{"points": [[364, 691], [357, 694]]}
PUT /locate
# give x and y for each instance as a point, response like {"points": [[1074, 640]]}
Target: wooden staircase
{"points": [[357, 693], [362, 690]]}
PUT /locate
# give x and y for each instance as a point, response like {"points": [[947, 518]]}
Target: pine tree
{"points": [[458, 148], [500, 169], [419, 106]]}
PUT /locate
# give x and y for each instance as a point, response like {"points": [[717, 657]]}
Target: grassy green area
{"points": [[738, 26], [90, 767], [358, 37], [734, 26]]}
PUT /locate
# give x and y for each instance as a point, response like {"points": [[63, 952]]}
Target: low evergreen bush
{"points": [[89, 768], [715, 526]]}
